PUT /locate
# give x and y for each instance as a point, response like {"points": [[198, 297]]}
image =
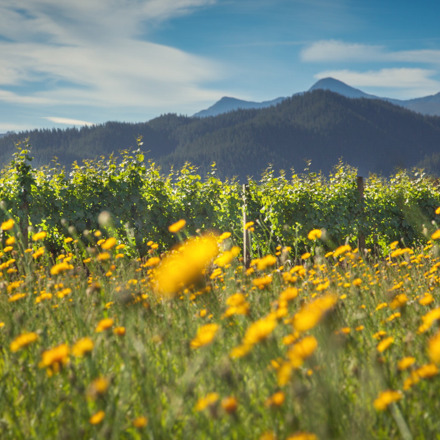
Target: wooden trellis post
{"points": [[246, 234], [361, 231]]}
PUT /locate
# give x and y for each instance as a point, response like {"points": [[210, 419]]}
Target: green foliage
{"points": [[143, 202]]}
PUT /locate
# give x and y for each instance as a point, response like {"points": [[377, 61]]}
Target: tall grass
{"points": [[340, 346]]}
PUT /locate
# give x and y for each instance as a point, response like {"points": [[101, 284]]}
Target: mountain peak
{"points": [[336, 86]]}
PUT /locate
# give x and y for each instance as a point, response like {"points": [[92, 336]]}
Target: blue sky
{"points": [[65, 63]]}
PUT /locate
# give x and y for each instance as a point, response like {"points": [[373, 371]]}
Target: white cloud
{"points": [[90, 52], [416, 82], [332, 50], [68, 121], [338, 51]]}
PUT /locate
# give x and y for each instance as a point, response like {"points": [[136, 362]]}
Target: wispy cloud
{"points": [[416, 82], [332, 50], [90, 52], [340, 51], [68, 121]]}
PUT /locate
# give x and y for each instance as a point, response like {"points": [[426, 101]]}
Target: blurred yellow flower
{"points": [[205, 335], [205, 402], [303, 436], [436, 235], [23, 340], [384, 344], [386, 398], [120, 331], [98, 387], [8, 224], [109, 243], [406, 362], [312, 313], [230, 404], [434, 348], [55, 357], [184, 266], [277, 399], [227, 256], [104, 324], [259, 330], [302, 350], [314, 234], [82, 347], [10, 241], [176, 227], [97, 418], [140, 422], [39, 236]]}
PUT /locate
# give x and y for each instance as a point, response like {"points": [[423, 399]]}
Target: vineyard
{"points": [[143, 203], [129, 311]]}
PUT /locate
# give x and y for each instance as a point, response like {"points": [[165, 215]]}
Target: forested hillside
{"points": [[320, 126]]}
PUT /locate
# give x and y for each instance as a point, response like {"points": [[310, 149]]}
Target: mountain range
{"points": [[319, 126], [428, 105]]}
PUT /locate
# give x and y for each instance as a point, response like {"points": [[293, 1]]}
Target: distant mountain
{"points": [[227, 104], [428, 105], [322, 126], [343, 89]]}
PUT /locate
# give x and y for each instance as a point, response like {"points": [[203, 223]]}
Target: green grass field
{"points": [[191, 344]]}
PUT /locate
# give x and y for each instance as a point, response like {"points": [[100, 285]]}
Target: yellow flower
{"points": [[311, 314], [302, 350], [306, 256], [434, 348], [104, 324], [16, 297], [248, 226], [384, 344], [205, 335], [386, 398], [55, 357], [277, 399], [184, 266], [120, 331], [103, 256], [10, 241], [39, 236], [82, 347], [140, 422], [302, 436], [109, 243], [205, 402], [399, 301], [262, 282], [230, 404], [259, 330], [263, 263], [224, 236], [22, 341], [176, 227], [314, 234], [98, 387], [437, 211], [406, 362], [341, 250], [60, 267], [226, 257], [8, 224], [436, 235], [429, 319], [97, 418]]}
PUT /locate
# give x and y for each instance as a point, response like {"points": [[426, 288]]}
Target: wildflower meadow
{"points": [[128, 309]]}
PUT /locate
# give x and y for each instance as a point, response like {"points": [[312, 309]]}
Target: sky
{"points": [[67, 63]]}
